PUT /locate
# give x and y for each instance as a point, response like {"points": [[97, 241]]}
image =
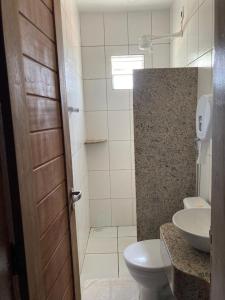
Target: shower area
{"points": [[104, 163]]}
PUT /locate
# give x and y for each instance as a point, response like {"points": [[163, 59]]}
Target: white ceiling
{"points": [[119, 5]]}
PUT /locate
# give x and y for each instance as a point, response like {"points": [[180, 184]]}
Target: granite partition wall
{"points": [[165, 102]]}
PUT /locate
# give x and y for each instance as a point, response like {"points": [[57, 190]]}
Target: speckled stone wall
{"points": [[165, 103]]}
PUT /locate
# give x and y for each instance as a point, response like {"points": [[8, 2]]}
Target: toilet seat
{"points": [[145, 256]]}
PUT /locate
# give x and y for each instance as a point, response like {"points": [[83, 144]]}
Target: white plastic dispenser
{"points": [[203, 125]]}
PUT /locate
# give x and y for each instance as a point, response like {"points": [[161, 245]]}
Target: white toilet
{"points": [[146, 266]]}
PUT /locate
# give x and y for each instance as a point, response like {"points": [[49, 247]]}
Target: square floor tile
{"points": [[98, 266], [110, 289], [103, 232], [127, 231], [102, 245], [124, 242], [123, 270]]}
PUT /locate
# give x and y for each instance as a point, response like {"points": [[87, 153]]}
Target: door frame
{"points": [[13, 53], [67, 143], [218, 159]]}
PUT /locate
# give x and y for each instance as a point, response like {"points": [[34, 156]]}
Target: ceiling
{"points": [[119, 5]]}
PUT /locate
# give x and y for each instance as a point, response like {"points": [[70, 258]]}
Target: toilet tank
{"points": [[195, 202]]}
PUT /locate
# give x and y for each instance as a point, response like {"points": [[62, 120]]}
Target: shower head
{"points": [[146, 42]]}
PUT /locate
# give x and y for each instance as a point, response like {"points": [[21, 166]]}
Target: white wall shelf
{"points": [[88, 142]]}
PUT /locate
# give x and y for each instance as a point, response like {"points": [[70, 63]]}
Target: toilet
{"points": [[146, 266]]}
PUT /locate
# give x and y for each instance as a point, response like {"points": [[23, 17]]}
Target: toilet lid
{"points": [[145, 255]]}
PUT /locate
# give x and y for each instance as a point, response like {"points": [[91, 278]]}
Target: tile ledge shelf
{"points": [[97, 141]]}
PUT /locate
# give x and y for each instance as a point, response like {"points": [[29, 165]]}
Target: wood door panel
{"points": [[43, 114], [36, 45], [48, 177], [69, 292], [46, 145], [37, 12], [40, 80], [56, 264], [41, 131], [52, 238], [50, 207], [62, 282], [48, 3]]}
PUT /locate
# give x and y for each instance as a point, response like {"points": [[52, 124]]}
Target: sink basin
{"points": [[194, 225]]}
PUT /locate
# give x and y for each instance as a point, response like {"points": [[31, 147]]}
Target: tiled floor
{"points": [[104, 259], [110, 289]]}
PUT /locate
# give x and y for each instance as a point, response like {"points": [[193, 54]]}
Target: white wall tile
{"points": [[205, 26], [200, 2], [121, 37], [97, 127], [132, 156], [133, 50], [98, 156], [139, 23], [122, 212], [205, 71], [99, 184], [192, 39], [161, 56], [160, 22], [100, 211], [121, 184], [197, 49], [131, 120], [92, 29], [116, 29], [179, 51], [192, 6], [117, 99], [120, 155], [95, 94], [134, 211], [113, 51], [133, 184], [119, 125], [93, 62], [205, 181]]}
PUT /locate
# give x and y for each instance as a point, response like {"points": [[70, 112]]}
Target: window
{"points": [[122, 70]]}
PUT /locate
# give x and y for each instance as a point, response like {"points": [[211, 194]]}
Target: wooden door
{"points": [[218, 160], [42, 145]]}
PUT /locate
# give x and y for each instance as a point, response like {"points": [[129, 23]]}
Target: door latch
{"points": [[75, 197]]}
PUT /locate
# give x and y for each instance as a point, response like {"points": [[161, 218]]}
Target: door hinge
{"points": [[210, 235]]}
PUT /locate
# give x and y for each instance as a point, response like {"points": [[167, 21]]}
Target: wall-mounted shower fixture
{"points": [[147, 41]]}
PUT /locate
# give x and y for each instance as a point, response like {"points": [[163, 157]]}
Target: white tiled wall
{"points": [[195, 49], [110, 112], [74, 85]]}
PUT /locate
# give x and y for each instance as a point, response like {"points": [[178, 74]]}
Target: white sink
{"points": [[194, 224]]}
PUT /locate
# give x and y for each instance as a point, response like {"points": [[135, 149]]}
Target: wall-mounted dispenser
{"points": [[203, 125]]}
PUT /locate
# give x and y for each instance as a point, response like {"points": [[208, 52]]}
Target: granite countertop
{"points": [[183, 257]]}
